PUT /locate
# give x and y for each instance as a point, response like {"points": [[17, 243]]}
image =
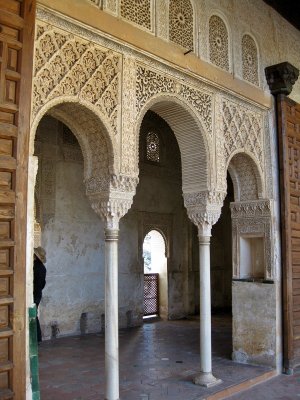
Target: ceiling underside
{"points": [[289, 9]]}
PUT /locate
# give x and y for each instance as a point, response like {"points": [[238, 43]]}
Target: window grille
{"points": [[152, 143]]}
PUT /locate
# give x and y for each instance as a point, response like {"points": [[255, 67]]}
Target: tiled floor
{"points": [[157, 361]]}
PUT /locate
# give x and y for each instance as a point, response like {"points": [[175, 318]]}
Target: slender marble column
{"points": [[206, 377], [111, 315]]}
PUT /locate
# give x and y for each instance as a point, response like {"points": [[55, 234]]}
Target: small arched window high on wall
{"points": [[181, 23], [152, 147], [250, 60], [218, 42]]}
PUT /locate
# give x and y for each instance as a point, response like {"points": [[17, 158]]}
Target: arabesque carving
{"points": [[67, 65], [137, 11], [218, 42], [150, 83], [243, 129], [181, 23], [250, 60], [129, 158]]}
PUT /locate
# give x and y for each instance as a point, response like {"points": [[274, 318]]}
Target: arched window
{"points": [[218, 42], [152, 147], [249, 60], [181, 23]]}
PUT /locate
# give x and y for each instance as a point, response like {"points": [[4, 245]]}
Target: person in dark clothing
{"points": [[39, 282]]}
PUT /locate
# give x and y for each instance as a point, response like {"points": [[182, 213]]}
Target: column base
{"points": [[206, 379]]}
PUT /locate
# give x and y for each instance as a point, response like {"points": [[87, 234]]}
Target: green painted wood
{"points": [[33, 354]]}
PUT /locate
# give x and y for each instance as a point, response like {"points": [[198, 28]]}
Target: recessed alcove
{"points": [[251, 257]]}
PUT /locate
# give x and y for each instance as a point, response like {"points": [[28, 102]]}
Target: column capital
{"points": [[281, 78], [111, 207], [111, 197], [204, 209]]}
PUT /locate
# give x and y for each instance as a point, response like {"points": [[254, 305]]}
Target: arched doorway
{"points": [[155, 275]]}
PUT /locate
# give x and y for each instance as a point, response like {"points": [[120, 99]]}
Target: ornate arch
{"points": [[192, 138], [93, 137], [246, 176]]}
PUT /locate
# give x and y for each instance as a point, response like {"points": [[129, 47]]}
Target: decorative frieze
{"points": [[129, 157], [251, 209]]}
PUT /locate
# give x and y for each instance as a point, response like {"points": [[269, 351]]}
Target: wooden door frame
{"points": [[17, 16]]}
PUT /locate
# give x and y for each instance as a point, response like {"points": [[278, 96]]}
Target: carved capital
{"points": [[111, 197], [111, 207], [281, 78], [204, 209]]}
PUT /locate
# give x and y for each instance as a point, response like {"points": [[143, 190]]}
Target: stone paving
{"points": [[157, 361]]}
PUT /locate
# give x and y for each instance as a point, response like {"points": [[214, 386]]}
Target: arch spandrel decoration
{"points": [[240, 129], [250, 60], [181, 23], [66, 65], [79, 82], [188, 111], [218, 40]]}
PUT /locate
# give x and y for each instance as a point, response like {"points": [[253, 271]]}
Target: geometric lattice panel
{"points": [[150, 294]]}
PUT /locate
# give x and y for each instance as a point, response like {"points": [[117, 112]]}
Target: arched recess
{"points": [[246, 177], [191, 137], [219, 41], [250, 59], [93, 135], [181, 23]]}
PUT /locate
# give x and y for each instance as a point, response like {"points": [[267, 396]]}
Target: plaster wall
{"points": [[72, 235], [254, 323]]}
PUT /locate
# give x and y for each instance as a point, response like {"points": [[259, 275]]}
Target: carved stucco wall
{"points": [[209, 126], [268, 30], [79, 83]]}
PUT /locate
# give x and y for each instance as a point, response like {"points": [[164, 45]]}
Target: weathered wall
{"points": [[72, 235], [254, 323]]}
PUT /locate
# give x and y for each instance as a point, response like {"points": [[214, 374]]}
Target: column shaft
{"points": [[206, 377], [111, 315], [205, 305]]}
